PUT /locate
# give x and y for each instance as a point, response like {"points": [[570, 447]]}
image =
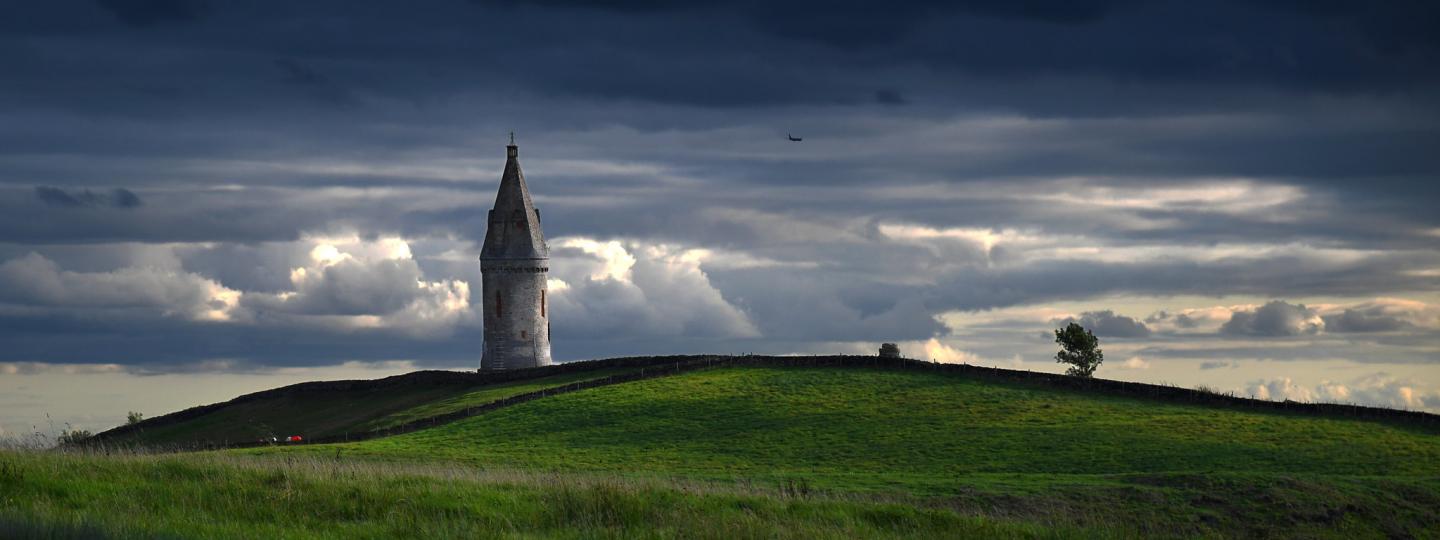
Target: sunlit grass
{"points": [[216, 496], [223, 495], [911, 432], [772, 452]]}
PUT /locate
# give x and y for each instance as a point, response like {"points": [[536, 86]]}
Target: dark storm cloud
{"points": [[141, 13], [1108, 324], [124, 198], [317, 84], [138, 339], [118, 198], [37, 282], [58, 197], [1371, 319], [788, 304], [847, 23], [984, 288], [1275, 318], [890, 97], [193, 216], [1276, 42], [247, 126], [740, 54], [353, 288], [1181, 320]]}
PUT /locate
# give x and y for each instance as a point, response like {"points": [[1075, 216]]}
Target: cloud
{"points": [[117, 198], [317, 84], [1133, 363], [1258, 272], [801, 305], [1275, 318], [847, 25], [1108, 324], [143, 13], [1280, 318], [339, 282], [35, 368], [945, 354], [888, 96], [124, 198], [34, 280], [1037, 160], [1382, 390], [1382, 315], [1377, 390], [1352, 320], [1218, 364], [1280, 389], [1203, 320], [638, 290], [353, 287], [366, 283]]}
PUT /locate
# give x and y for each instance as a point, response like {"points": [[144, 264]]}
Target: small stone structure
{"points": [[514, 264], [889, 350]]}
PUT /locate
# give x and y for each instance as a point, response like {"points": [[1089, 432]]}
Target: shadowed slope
{"points": [[337, 408]]}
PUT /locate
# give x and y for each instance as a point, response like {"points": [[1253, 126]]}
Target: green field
{"points": [[915, 431], [793, 452], [47, 495]]}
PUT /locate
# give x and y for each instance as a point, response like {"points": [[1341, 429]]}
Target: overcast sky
{"points": [[229, 196]]}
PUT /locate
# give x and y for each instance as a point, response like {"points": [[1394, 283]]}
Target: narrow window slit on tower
{"points": [[498, 305], [542, 303], [523, 335]]}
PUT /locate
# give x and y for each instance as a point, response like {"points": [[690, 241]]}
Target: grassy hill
{"points": [[337, 408], [812, 452], [860, 427], [1053, 455]]}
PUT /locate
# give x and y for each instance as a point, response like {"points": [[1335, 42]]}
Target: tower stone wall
{"points": [[515, 263]]}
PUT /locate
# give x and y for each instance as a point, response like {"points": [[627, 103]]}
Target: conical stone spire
{"points": [[514, 225], [514, 264]]}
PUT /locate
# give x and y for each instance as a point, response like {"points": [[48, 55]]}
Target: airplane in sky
{"points": [[793, 138]]}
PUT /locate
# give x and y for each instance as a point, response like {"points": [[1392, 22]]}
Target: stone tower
{"points": [[514, 263]]}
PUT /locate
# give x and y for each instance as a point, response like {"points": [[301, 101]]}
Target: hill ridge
{"points": [[679, 364]]}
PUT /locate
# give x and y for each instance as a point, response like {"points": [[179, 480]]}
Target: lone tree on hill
{"points": [[1080, 349]]}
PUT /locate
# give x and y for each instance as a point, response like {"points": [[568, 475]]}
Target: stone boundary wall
{"points": [[653, 367]]}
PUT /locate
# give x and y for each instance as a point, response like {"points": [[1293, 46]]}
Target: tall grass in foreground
{"points": [[51, 494], [56, 494]]}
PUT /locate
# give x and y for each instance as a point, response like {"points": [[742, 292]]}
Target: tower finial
{"points": [[512, 138]]}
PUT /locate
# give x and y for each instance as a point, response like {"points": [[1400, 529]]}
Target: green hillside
{"points": [[785, 452], [329, 409], [1055, 456], [881, 429]]}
